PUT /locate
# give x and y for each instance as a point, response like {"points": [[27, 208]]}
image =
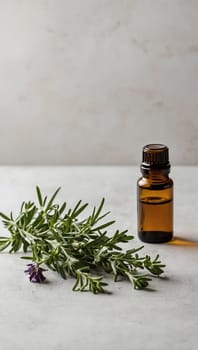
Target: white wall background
{"points": [[92, 81]]}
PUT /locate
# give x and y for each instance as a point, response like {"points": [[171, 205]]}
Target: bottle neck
{"points": [[156, 175]]}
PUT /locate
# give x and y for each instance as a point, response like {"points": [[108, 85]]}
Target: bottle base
{"points": [[155, 236]]}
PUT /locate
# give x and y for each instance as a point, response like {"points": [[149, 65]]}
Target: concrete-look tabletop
{"points": [[51, 316]]}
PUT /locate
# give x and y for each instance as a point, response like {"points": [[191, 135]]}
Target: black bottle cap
{"points": [[155, 156]]}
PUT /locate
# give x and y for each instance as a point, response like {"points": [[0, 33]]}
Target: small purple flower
{"points": [[35, 273]]}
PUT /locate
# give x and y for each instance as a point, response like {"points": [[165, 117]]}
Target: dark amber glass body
{"points": [[155, 206]]}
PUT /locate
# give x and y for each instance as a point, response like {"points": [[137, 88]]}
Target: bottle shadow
{"points": [[183, 242]]}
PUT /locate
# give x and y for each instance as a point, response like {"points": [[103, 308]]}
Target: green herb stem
{"points": [[55, 236]]}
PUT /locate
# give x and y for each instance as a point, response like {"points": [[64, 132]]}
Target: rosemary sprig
{"points": [[59, 239]]}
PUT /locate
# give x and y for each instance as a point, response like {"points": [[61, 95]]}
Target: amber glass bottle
{"points": [[155, 196]]}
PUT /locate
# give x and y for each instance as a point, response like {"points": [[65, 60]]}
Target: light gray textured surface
{"points": [[92, 81], [52, 317]]}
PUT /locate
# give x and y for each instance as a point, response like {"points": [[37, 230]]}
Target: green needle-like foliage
{"points": [[58, 238]]}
